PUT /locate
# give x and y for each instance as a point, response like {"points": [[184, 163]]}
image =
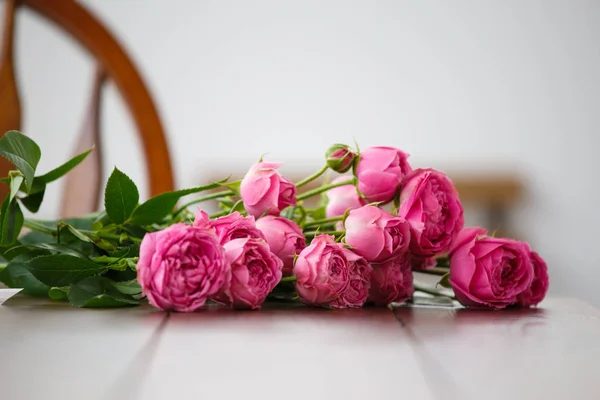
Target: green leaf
{"points": [[157, 208], [120, 197], [97, 291], [34, 200], [131, 287], [11, 222], [59, 293], [62, 269], [16, 275], [23, 153], [61, 171], [49, 248], [75, 232], [233, 186], [445, 281], [238, 206], [16, 179]]}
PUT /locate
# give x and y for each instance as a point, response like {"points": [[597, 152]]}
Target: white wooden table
{"points": [[51, 351]]}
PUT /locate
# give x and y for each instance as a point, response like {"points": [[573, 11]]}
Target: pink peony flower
{"points": [[380, 171], [229, 227], [285, 238], [340, 158], [391, 282], [322, 271], [255, 271], [181, 266], [536, 292], [430, 204], [264, 191], [488, 272], [342, 198], [357, 291], [376, 234]]}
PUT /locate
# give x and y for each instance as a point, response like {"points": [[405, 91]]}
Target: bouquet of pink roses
{"points": [[372, 228]]}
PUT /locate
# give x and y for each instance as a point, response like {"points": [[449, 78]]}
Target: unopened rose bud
{"points": [[340, 158]]}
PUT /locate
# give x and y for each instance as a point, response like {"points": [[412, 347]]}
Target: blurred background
{"points": [[503, 96]]}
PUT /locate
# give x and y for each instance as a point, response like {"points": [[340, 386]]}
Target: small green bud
{"points": [[340, 158]]}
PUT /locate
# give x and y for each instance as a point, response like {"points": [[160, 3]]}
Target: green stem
{"points": [[39, 227], [2, 266], [323, 221], [433, 271], [200, 199], [334, 233], [111, 260], [218, 214], [312, 177], [325, 188], [288, 279], [432, 291]]}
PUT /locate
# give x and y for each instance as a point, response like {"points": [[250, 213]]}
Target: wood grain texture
{"points": [[10, 104], [299, 353], [77, 21], [83, 186]]}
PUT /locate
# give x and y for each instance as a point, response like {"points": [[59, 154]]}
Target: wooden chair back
{"points": [[83, 185]]}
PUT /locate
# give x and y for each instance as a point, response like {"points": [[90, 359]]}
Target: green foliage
{"points": [[154, 210], [120, 197], [11, 222], [16, 275], [62, 269], [23, 153], [445, 281], [62, 170], [59, 293], [97, 291], [16, 179]]}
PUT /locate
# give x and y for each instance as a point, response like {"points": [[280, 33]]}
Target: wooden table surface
{"points": [[51, 351]]}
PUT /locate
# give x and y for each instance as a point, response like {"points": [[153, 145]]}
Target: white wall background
{"points": [[494, 85]]}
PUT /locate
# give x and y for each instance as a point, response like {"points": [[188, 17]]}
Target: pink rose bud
{"points": [[181, 266], [255, 271], [340, 158], [264, 191], [380, 171], [430, 204], [322, 271], [285, 238], [536, 292], [342, 198], [391, 282], [376, 234], [488, 272], [357, 291], [229, 227]]}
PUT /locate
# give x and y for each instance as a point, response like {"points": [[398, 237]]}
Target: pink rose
{"points": [[430, 204], [264, 191], [488, 272], [536, 292], [229, 227], [340, 158], [357, 291], [380, 171], [376, 234], [285, 238], [181, 266], [342, 198], [322, 271], [255, 271], [391, 282]]}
